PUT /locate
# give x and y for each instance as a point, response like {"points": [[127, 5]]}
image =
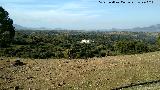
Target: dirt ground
{"points": [[91, 74]]}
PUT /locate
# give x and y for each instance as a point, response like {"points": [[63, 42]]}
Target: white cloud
{"points": [[55, 16], [75, 13], [67, 13]]}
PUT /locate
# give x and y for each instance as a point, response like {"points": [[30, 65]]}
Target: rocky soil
{"points": [[90, 74]]}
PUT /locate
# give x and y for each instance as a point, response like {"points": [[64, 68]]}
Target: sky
{"points": [[82, 14]]}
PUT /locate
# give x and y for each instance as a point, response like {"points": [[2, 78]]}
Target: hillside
{"points": [[92, 74], [19, 27]]}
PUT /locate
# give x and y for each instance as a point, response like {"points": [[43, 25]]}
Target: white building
{"points": [[85, 41]]}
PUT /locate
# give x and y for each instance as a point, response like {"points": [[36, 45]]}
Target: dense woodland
{"points": [[67, 44]]}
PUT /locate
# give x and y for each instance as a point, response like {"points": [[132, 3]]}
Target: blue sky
{"points": [[82, 14]]}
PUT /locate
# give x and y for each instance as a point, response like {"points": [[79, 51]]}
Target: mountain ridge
{"points": [[152, 28]]}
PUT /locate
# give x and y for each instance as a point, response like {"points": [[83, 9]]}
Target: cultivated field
{"points": [[112, 72]]}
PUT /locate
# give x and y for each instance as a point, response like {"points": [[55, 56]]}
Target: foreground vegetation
{"points": [[92, 74]]}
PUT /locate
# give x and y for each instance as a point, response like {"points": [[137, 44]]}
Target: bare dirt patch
{"points": [[92, 74]]}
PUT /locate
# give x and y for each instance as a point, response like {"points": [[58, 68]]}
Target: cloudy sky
{"points": [[82, 14]]}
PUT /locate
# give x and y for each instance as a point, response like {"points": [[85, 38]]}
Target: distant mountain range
{"points": [[153, 28], [19, 27]]}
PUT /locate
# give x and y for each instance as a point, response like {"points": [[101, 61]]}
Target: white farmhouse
{"points": [[85, 41]]}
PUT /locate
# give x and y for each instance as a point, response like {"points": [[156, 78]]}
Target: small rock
{"points": [[30, 77], [1, 68], [93, 69], [16, 88], [61, 84], [7, 61], [78, 66], [66, 62], [18, 63]]}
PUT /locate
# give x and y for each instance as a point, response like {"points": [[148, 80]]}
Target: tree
{"points": [[7, 31], [158, 40]]}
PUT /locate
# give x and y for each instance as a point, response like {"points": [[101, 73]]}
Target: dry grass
{"points": [[92, 74]]}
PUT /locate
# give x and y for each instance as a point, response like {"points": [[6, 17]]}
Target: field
{"points": [[126, 72]]}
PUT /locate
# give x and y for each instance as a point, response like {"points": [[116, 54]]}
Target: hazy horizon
{"points": [[82, 14]]}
